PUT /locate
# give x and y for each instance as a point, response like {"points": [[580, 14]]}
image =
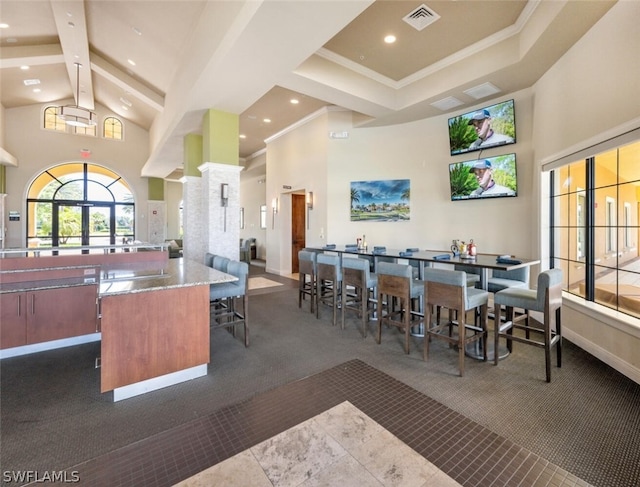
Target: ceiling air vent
{"points": [[420, 17]]}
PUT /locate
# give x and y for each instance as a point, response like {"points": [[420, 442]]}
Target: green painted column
{"points": [[3, 179], [192, 154], [156, 189], [221, 137]]}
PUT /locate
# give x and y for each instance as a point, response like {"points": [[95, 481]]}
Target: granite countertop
{"points": [[16, 287], [177, 273], [133, 279]]}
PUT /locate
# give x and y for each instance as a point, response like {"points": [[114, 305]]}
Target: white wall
{"points": [[173, 197], [253, 190], [296, 162], [38, 149], [590, 95]]}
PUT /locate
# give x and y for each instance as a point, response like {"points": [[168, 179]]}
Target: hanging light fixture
{"points": [[75, 114]]}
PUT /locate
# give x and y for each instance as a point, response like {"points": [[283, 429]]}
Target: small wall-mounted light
{"points": [[274, 206], [310, 200], [224, 194]]}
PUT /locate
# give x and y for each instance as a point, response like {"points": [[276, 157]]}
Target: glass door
{"points": [[83, 224]]}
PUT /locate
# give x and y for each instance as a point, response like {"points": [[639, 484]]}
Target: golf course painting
{"points": [[380, 201]]}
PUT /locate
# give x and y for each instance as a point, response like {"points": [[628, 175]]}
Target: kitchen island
{"points": [[152, 316]]}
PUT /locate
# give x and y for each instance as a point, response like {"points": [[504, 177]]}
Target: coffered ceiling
{"points": [[162, 63]]}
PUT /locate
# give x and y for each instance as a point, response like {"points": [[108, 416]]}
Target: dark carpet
{"points": [[587, 420]]}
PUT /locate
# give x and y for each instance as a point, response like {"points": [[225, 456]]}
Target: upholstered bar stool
{"points": [[328, 284], [515, 278], [235, 310], [547, 299], [358, 286], [448, 289], [307, 277], [396, 281]]}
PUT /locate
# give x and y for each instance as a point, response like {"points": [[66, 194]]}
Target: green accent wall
{"points": [[192, 154], [3, 179], [156, 189], [221, 137]]}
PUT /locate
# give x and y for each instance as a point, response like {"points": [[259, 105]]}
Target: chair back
{"points": [[328, 267], [521, 274], [241, 271], [307, 262], [245, 245], [220, 263], [208, 259], [549, 293], [394, 279], [448, 288], [355, 272]]}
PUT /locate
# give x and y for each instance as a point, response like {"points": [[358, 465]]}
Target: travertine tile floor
{"points": [[342, 446]]}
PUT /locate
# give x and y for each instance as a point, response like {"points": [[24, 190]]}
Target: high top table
{"points": [[484, 262]]}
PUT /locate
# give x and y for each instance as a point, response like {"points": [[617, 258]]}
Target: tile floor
{"points": [[465, 451], [341, 446]]}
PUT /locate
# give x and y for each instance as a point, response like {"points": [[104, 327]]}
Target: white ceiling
{"points": [[250, 57]]}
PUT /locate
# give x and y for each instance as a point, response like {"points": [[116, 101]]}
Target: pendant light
{"points": [[75, 114]]}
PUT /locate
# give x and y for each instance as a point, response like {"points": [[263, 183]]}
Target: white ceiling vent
{"points": [[420, 17]]}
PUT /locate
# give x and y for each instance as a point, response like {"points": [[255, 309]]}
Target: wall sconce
{"points": [[224, 201], [224, 194], [309, 206], [274, 206]]}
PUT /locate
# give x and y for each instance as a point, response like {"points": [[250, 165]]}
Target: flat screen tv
{"points": [[491, 177], [491, 126]]}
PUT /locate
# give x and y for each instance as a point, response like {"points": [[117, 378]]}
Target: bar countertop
{"points": [[177, 273]]}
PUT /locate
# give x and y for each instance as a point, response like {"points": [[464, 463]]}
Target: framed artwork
{"points": [[380, 201]]}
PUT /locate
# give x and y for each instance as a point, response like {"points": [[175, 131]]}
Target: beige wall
{"points": [[38, 149]]}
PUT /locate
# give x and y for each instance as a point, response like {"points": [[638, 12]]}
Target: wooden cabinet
{"points": [[50, 314], [13, 320]]}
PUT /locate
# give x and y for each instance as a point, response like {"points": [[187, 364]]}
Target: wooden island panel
{"points": [[150, 334]]}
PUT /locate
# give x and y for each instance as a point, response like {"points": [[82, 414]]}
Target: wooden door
{"points": [[298, 242]]}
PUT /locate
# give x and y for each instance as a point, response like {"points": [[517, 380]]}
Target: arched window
{"points": [[79, 204], [112, 128], [51, 120]]}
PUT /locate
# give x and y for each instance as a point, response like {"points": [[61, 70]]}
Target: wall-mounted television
{"points": [[491, 126], [491, 177]]}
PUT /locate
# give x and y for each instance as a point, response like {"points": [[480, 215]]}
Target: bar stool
{"points": [[449, 289], [307, 277], [547, 299], [396, 281], [328, 283], [226, 297], [356, 274]]}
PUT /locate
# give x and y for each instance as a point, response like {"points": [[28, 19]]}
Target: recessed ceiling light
{"points": [[71, 24], [31, 82], [24, 68], [125, 108], [131, 62], [137, 31], [242, 136], [4, 26], [390, 39], [294, 101], [37, 90], [266, 120], [125, 101]]}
